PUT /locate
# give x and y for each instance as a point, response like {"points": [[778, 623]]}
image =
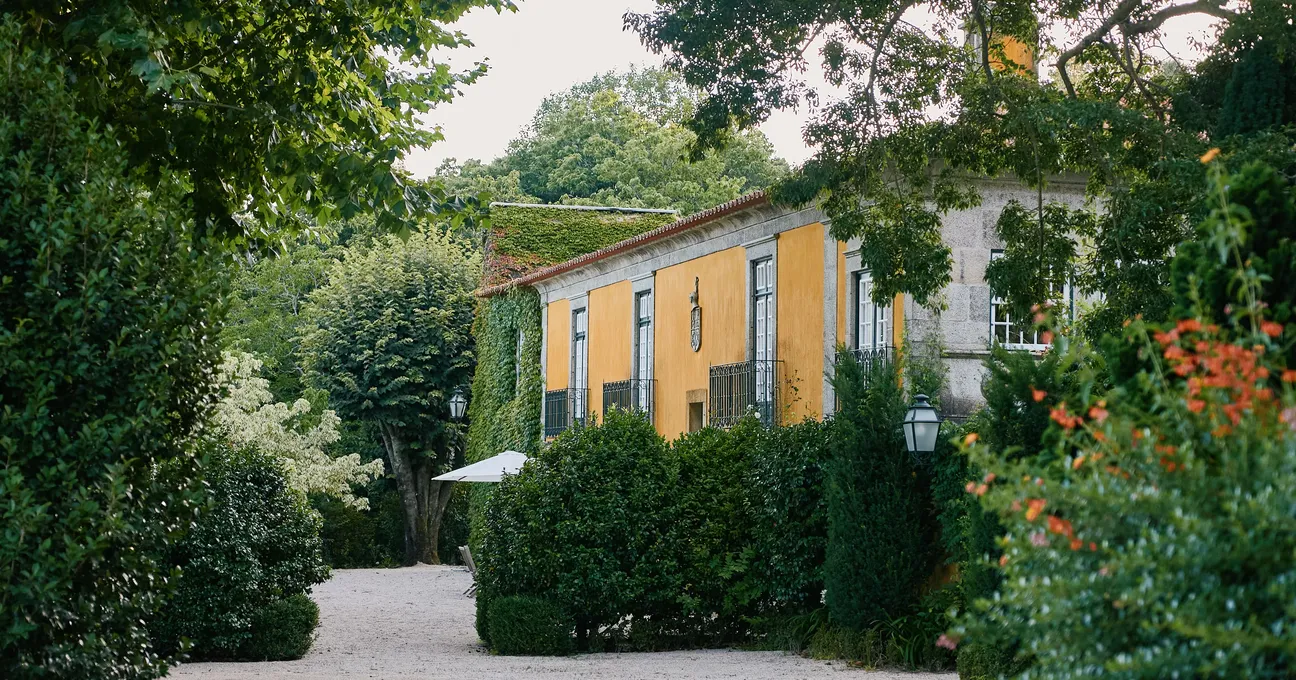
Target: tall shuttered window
{"points": [[580, 361], [643, 354], [871, 319], [763, 329]]}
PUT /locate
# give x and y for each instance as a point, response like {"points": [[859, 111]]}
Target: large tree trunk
{"points": [[423, 500]]}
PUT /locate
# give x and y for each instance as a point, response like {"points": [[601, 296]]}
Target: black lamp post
{"points": [[458, 404], [921, 425]]}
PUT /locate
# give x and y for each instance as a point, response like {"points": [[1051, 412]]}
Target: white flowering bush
{"points": [[248, 416]]}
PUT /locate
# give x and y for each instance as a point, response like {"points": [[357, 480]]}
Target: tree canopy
{"points": [[391, 342], [937, 93], [272, 110], [618, 139]]}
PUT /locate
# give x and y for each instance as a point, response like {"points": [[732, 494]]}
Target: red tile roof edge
{"points": [[695, 220]]}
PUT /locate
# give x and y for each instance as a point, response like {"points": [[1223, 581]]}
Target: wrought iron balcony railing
{"points": [[563, 409], [747, 386], [867, 356], [631, 395]]}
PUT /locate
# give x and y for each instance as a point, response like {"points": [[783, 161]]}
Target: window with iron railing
{"points": [[630, 395], [742, 388], [564, 409]]}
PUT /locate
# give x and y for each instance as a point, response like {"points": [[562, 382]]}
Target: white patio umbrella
{"points": [[490, 470]]}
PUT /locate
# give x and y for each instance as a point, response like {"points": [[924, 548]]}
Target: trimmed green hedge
{"points": [[283, 631], [521, 625], [582, 525], [785, 495]]}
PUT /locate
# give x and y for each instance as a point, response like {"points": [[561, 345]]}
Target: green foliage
{"points": [[987, 662], [581, 525], [886, 168], [1261, 200], [352, 538], [273, 108], [507, 383], [257, 544], [879, 549], [907, 642], [617, 140], [527, 238], [266, 312], [390, 339], [711, 528], [529, 626], [1156, 540], [390, 345], [284, 630], [106, 363], [789, 514]]}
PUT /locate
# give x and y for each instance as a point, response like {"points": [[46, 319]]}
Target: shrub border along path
{"points": [[415, 622]]}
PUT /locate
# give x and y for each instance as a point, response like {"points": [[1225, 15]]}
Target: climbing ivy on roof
{"points": [[526, 238]]}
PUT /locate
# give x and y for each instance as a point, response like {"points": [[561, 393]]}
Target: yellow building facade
{"points": [[744, 308], [738, 309]]}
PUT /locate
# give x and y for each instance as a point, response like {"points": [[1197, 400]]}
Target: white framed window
{"points": [[871, 319], [1017, 334], [643, 348], [764, 338], [579, 361]]}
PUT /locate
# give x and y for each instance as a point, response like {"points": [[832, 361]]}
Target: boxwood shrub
{"points": [[582, 525], [257, 545], [282, 630], [530, 626]]}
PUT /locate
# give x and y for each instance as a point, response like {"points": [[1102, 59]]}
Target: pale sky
{"points": [[550, 45]]}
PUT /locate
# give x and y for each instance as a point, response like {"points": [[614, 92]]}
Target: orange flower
{"points": [[1034, 507], [982, 489], [1059, 526], [1210, 155], [1188, 326], [1289, 376], [1038, 395], [1271, 328], [1066, 420], [1003, 561], [971, 487], [1196, 405], [1076, 544], [1075, 465], [971, 439], [1093, 546], [990, 477], [1098, 413]]}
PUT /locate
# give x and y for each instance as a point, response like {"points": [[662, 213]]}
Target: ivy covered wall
{"points": [[505, 406]]}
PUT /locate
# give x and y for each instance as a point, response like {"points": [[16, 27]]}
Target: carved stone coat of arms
{"points": [[695, 318]]}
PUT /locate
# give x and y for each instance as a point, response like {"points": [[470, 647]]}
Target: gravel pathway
{"points": [[415, 623]]}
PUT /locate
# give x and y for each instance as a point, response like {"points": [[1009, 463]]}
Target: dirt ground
{"points": [[416, 623]]}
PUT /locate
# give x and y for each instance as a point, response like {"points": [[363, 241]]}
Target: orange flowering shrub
{"points": [[1164, 539], [1159, 538]]}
